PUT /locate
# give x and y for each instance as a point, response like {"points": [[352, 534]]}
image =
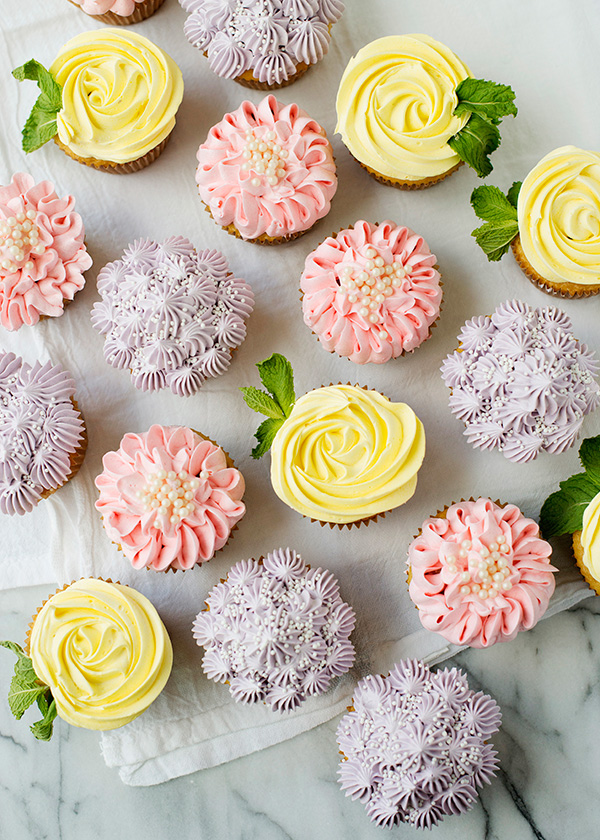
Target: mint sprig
{"points": [[278, 378], [487, 103], [499, 212], [562, 512], [26, 689], [41, 124]]}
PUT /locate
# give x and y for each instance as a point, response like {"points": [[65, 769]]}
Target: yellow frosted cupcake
{"points": [[109, 100]]}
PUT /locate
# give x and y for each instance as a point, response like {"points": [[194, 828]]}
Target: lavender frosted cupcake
{"points": [[276, 630], [262, 44], [42, 436], [521, 382], [415, 745], [170, 314]]}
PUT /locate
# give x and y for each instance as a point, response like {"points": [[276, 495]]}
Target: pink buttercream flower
{"points": [[372, 292], [266, 169], [42, 252], [100, 7], [480, 574], [168, 498]]}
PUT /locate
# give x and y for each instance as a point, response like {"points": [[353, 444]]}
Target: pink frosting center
{"points": [[168, 498], [481, 574], [371, 293], [100, 7]]}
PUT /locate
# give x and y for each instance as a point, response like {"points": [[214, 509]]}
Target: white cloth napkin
{"points": [[195, 724]]}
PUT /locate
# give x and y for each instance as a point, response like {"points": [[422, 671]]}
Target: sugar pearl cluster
{"points": [[19, 236], [171, 495], [265, 157], [484, 570], [371, 282]]}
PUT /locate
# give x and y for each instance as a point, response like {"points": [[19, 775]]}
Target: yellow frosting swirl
{"points": [[104, 652], [559, 216], [120, 93], [590, 537], [395, 106], [346, 454]]}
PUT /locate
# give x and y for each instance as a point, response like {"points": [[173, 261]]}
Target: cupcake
{"points": [[340, 455], [479, 573], [521, 382], [170, 314], [99, 655], [371, 292], [266, 172], [551, 221], [109, 100], [42, 436], [410, 112], [415, 745], [42, 252], [169, 498], [118, 12], [262, 44], [275, 631], [575, 509]]}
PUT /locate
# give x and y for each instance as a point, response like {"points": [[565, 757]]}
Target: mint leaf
{"points": [[489, 100], [262, 402], [475, 142], [277, 376], [16, 649], [513, 193], [490, 204], [589, 455], [494, 238], [562, 512], [25, 688], [265, 435], [41, 124], [42, 729]]}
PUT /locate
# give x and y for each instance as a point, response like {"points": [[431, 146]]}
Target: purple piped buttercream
{"points": [[276, 631], [268, 37], [39, 431], [171, 314], [521, 382], [415, 746]]}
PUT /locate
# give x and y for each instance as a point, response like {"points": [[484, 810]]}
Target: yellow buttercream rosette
{"points": [[120, 94], [103, 651], [395, 107], [345, 454], [587, 546]]}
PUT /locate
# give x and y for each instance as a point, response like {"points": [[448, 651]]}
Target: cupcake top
{"points": [[276, 630], [40, 429], [521, 382], [103, 651], [480, 573], [169, 498], [371, 292], [267, 37], [114, 96], [42, 251], [266, 169], [415, 745], [171, 315], [100, 7]]}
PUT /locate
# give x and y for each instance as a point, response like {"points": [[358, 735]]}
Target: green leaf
{"points": [[277, 376], [491, 204], [16, 649], [40, 127], [489, 100], [513, 193], [41, 124], [25, 688], [265, 435], [475, 142], [494, 238], [262, 402], [42, 729], [589, 455], [47, 84], [562, 512]]}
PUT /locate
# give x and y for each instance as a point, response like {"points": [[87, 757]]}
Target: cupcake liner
{"points": [[118, 168], [263, 239], [142, 11], [249, 80], [420, 184], [76, 458], [563, 289], [587, 575]]}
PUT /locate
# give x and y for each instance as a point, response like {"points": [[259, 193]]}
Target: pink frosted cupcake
{"points": [[169, 498], [118, 12], [372, 292], [479, 573], [42, 252], [266, 172]]}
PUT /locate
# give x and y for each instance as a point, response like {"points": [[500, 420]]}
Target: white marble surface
{"points": [[546, 682]]}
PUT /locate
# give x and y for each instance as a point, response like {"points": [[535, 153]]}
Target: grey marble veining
{"points": [[547, 682]]}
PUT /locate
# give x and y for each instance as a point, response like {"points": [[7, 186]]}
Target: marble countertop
{"points": [[546, 683]]}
